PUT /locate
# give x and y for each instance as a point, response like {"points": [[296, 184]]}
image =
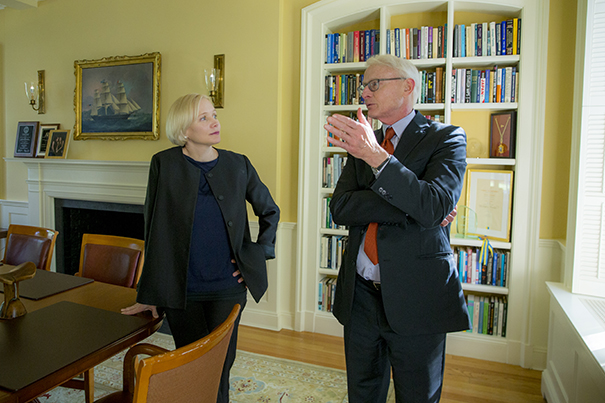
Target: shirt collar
{"points": [[400, 125]]}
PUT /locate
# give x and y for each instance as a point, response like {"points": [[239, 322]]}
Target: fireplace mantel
{"points": [[106, 181]]}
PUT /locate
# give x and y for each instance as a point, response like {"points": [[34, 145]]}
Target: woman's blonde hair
{"points": [[181, 115]]}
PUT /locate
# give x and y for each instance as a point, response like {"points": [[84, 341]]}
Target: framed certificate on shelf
{"points": [[489, 195], [503, 127]]}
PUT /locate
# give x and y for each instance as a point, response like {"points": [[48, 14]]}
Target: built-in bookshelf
{"points": [[476, 58]]}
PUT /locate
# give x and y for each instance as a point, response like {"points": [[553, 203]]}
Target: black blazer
{"points": [[416, 190], [169, 210]]}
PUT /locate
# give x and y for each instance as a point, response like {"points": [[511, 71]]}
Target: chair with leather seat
{"points": [[26, 243], [111, 259], [188, 374]]}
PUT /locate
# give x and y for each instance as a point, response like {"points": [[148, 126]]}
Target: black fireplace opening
{"points": [[73, 218]]}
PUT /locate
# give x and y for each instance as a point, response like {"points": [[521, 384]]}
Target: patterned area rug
{"points": [[254, 378]]}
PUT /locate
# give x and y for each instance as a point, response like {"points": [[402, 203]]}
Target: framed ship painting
{"points": [[118, 98]]}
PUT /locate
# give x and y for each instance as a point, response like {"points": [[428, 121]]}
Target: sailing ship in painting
{"points": [[107, 106]]}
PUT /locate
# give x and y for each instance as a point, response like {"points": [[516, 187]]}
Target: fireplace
{"points": [[73, 218], [78, 196]]}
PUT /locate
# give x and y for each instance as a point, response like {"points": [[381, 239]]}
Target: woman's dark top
{"points": [[210, 271]]}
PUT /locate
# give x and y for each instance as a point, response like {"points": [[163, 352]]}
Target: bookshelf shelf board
{"points": [[328, 272], [484, 61], [327, 149], [509, 162], [478, 242], [487, 289], [329, 231], [428, 63], [339, 67], [429, 107], [344, 108], [327, 191], [496, 106]]}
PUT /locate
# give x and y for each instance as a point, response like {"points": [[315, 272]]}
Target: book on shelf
{"points": [[332, 250], [488, 38], [353, 46], [326, 290], [485, 86], [487, 314], [341, 89], [471, 270], [417, 43]]}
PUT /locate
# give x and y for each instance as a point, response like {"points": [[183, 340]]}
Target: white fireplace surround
{"points": [[126, 182], [106, 181]]}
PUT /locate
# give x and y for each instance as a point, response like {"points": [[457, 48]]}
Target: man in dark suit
{"points": [[398, 291]]}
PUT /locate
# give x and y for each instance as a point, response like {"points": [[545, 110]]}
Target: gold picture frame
{"points": [[118, 98], [58, 144], [489, 195]]}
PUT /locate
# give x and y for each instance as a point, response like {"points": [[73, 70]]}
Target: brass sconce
{"points": [[35, 94], [215, 83]]}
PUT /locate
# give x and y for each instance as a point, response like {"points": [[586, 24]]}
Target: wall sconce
{"points": [[35, 93], [215, 83]]}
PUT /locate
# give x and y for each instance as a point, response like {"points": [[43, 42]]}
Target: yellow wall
{"points": [[261, 40], [558, 118]]}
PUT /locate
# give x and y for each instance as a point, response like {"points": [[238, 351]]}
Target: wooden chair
{"points": [[112, 259], [109, 259], [25, 243], [189, 374]]}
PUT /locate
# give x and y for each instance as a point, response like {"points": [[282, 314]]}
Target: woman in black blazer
{"points": [[199, 256]]}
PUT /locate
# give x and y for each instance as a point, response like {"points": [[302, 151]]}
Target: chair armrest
{"points": [[130, 360]]}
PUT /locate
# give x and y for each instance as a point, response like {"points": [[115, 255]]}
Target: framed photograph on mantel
{"points": [[503, 127], [25, 143], [58, 142], [489, 195], [43, 135], [118, 98]]}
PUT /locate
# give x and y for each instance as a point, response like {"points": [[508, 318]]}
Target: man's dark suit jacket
{"points": [[415, 191], [169, 210]]}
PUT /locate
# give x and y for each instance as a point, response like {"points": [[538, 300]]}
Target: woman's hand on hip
{"points": [[237, 273]]}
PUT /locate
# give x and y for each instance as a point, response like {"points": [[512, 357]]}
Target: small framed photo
{"points": [[489, 195], [43, 135], [58, 142], [25, 143], [503, 129]]}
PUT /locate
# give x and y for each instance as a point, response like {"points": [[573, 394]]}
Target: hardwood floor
{"points": [[466, 380]]}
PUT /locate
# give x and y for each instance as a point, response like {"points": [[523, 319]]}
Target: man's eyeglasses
{"points": [[374, 84]]}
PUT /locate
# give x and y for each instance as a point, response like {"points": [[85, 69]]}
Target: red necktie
{"points": [[370, 247]]}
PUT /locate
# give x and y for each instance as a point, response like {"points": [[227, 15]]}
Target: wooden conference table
{"points": [[73, 319]]}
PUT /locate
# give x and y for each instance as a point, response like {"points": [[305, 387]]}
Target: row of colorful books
{"points": [[432, 86], [354, 46], [326, 216], [332, 168], [417, 43], [488, 39], [491, 270], [342, 89], [326, 289], [488, 314], [484, 86], [436, 118], [331, 251]]}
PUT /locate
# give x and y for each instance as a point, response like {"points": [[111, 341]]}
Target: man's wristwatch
{"points": [[376, 170]]}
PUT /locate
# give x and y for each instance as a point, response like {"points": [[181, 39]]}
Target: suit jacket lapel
{"points": [[411, 136]]}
